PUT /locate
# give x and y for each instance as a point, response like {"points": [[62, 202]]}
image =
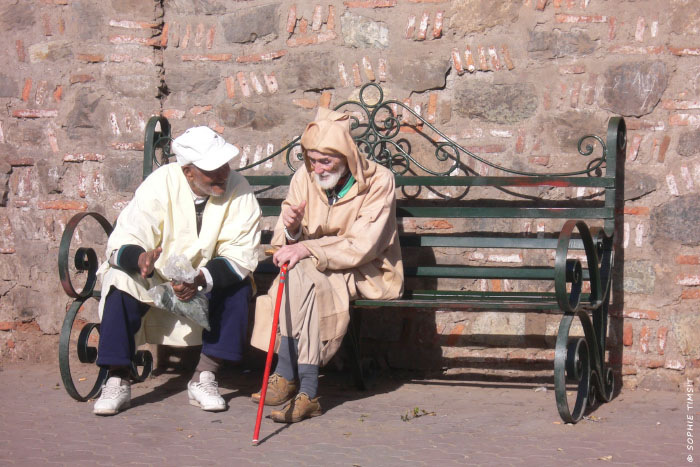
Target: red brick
{"points": [[423, 26], [7, 325], [330, 20], [325, 100], [305, 103], [186, 38], [663, 148], [292, 19], [206, 57], [641, 314], [539, 160], [91, 58], [84, 156], [21, 55], [133, 24], [636, 210], [683, 120], [636, 49], [506, 57], [200, 109], [629, 370], [562, 18], [316, 18], [199, 35], [129, 39], [661, 335], [300, 41], [255, 58], [457, 61], [367, 66], [303, 26], [211, 34], [381, 70], [173, 113], [495, 61], [63, 205], [572, 69], [652, 362], [691, 294], [27, 89], [270, 82], [644, 337], [627, 335], [541, 4], [437, 25], [243, 83], [681, 51], [370, 4], [483, 61], [688, 259], [34, 113], [357, 78], [469, 65], [695, 363], [10, 344], [432, 108], [47, 25], [520, 141], [410, 27], [128, 146], [230, 87], [680, 105], [164, 35], [81, 79]]}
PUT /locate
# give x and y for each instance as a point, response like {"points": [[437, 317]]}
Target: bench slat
{"points": [[505, 212], [601, 182], [485, 242], [490, 212]]}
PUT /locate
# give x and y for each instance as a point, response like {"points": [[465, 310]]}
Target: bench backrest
{"points": [[448, 195]]}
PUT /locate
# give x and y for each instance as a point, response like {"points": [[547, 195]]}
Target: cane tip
{"points": [[255, 442]]}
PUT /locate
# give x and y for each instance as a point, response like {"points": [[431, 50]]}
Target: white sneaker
{"points": [[205, 394], [116, 395]]}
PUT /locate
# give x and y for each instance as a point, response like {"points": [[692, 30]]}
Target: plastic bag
{"points": [[179, 269]]}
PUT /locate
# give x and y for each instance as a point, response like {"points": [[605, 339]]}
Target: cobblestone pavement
{"points": [[457, 423]]}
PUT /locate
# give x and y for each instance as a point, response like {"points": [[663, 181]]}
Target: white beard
{"points": [[330, 180]]}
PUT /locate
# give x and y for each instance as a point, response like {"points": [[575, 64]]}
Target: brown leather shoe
{"points": [[279, 391], [300, 408]]}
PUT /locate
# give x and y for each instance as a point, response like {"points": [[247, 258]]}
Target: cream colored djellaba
{"points": [[354, 243]]}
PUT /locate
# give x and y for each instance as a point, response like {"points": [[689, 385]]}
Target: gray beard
{"points": [[330, 180]]}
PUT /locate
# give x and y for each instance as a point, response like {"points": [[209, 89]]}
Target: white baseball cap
{"points": [[204, 148]]}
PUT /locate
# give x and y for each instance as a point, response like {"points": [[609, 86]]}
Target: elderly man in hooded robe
{"points": [[201, 209], [338, 232]]}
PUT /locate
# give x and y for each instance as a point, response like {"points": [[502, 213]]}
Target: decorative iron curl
{"points": [[85, 258]]}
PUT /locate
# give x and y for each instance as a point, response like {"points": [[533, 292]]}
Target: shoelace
{"points": [[210, 388], [110, 392]]}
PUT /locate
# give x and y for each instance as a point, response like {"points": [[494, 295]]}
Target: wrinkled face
{"points": [[207, 183], [327, 168]]}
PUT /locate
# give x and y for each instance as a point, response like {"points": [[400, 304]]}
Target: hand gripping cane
{"points": [[270, 351]]}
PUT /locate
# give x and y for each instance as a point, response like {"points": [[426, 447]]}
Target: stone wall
{"points": [[518, 80]]}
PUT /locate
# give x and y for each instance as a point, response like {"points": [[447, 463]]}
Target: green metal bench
{"points": [[435, 178]]}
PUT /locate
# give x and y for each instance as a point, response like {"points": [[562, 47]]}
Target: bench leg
{"points": [[86, 353], [355, 356], [581, 361]]}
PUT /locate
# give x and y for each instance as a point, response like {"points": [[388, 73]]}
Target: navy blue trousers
{"points": [[228, 319]]}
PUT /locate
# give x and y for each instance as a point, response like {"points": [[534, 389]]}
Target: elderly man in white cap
{"points": [[203, 210]]}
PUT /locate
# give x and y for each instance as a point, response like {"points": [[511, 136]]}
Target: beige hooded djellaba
{"points": [[354, 243]]}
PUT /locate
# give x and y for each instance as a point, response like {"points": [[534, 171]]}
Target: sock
{"points": [[206, 363], [123, 372], [287, 359], [308, 375]]}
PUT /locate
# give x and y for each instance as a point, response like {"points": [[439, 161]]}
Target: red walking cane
{"points": [[270, 351]]}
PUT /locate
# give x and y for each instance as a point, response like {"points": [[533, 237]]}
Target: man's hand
{"points": [[291, 254], [147, 261], [186, 291], [292, 216]]}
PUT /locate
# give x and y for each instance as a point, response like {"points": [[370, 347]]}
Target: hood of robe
{"points": [[330, 133]]}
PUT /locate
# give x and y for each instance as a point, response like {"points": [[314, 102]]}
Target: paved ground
{"points": [[458, 423]]}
